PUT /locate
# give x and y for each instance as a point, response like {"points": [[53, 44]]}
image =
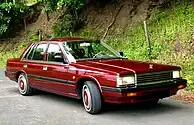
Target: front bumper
{"points": [[143, 93]]}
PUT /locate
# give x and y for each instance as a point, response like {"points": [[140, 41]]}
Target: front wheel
{"points": [[91, 97]]}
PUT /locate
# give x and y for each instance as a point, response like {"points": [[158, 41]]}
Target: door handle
{"points": [[25, 66], [44, 68]]}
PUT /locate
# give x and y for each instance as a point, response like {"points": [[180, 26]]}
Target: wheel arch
{"points": [[82, 80], [18, 73]]}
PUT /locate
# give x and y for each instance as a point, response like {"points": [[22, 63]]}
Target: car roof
{"points": [[65, 39]]}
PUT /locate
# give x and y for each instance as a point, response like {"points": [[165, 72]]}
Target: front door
{"points": [[56, 70]]}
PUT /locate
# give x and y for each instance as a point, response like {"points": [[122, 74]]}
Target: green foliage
{"points": [[33, 36], [75, 4], [31, 2], [51, 5], [10, 15], [67, 25]]}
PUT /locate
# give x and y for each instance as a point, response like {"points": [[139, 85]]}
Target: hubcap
{"points": [[86, 98], [22, 84]]}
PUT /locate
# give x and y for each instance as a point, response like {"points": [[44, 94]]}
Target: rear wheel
{"points": [[23, 85], [91, 97]]}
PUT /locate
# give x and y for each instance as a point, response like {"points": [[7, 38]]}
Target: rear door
{"points": [[33, 64]]}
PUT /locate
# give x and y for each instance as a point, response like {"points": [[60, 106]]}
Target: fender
{"points": [[21, 71], [91, 78]]}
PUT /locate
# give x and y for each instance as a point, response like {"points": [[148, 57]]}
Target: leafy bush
{"points": [[75, 4], [67, 24], [51, 5], [10, 15]]}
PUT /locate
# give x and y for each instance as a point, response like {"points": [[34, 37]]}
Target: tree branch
{"points": [[112, 23]]}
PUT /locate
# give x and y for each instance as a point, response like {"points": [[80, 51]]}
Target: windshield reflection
{"points": [[89, 50]]}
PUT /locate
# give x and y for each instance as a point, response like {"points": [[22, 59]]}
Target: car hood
{"points": [[124, 66]]}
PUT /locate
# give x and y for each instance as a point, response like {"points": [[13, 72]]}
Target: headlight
{"points": [[127, 80], [176, 74]]}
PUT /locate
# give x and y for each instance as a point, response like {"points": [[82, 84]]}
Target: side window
{"points": [[38, 54], [54, 54], [29, 51], [29, 56]]}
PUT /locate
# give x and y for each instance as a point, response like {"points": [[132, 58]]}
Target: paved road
{"points": [[49, 109]]}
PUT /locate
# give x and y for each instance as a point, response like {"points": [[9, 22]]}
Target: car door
{"points": [[56, 68], [33, 64]]}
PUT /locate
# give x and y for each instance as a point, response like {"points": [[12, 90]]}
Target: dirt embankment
{"points": [[98, 14], [111, 15], [121, 13]]}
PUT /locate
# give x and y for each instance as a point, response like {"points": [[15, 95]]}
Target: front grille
{"points": [[154, 77]]}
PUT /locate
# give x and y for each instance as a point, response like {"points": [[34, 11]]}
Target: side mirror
{"points": [[59, 58], [121, 53]]}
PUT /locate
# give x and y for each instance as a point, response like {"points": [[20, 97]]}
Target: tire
{"points": [[91, 97], [23, 85]]}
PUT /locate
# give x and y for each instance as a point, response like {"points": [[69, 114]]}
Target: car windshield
{"points": [[89, 50]]}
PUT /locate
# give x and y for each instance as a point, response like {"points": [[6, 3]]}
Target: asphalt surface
{"points": [[50, 109]]}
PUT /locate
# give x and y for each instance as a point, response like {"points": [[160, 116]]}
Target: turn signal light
{"points": [[132, 94], [181, 86]]}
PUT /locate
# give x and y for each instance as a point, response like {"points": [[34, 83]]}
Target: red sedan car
{"points": [[92, 71]]}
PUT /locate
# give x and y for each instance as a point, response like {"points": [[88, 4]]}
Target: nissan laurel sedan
{"points": [[91, 71]]}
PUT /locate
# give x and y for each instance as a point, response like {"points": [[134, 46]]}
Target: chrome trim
{"points": [[135, 80], [153, 73], [29, 49], [44, 68], [65, 57], [59, 81], [72, 94], [45, 62], [151, 83], [150, 73], [33, 50], [117, 76], [35, 61], [110, 48]]}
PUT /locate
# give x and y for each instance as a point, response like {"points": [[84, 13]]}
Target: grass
{"points": [[170, 31], [13, 48], [11, 51]]}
